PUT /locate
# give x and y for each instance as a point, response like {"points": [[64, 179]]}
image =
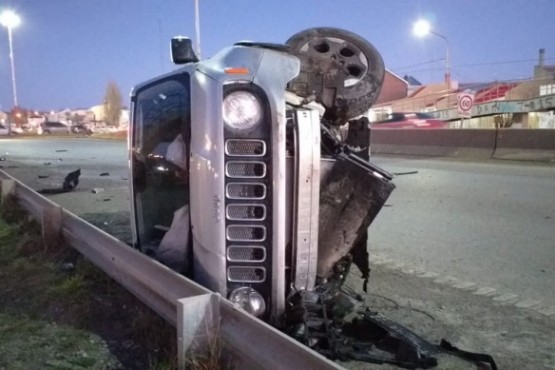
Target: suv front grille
{"points": [[245, 170], [248, 207], [246, 253], [246, 191], [246, 274], [247, 233], [245, 148], [247, 212]]}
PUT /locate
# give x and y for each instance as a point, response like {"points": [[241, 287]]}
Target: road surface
{"points": [[488, 223], [463, 250]]}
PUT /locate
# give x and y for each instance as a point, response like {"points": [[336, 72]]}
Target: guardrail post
{"points": [[51, 221], [8, 188], [198, 324]]}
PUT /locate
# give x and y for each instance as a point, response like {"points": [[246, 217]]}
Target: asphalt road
{"points": [[464, 250], [489, 223]]}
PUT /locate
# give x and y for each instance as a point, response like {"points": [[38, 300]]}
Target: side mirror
{"points": [[182, 50]]}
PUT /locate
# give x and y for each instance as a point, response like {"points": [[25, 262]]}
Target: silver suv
{"points": [[49, 127]]}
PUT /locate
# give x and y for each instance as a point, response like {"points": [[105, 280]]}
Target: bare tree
{"points": [[112, 104]]}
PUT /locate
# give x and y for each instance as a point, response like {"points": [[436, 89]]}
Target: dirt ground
{"points": [[517, 338]]}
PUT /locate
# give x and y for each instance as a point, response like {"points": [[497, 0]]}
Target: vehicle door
{"points": [[159, 156]]}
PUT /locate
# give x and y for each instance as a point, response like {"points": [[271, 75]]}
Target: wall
{"points": [[513, 144]]}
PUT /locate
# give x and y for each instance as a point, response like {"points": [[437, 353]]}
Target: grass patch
{"points": [[11, 212], [59, 311], [27, 343]]}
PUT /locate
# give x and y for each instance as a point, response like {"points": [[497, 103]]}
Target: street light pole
{"points": [[13, 67], [10, 20], [422, 28], [197, 28], [447, 58]]}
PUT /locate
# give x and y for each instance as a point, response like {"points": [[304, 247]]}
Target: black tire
{"points": [[343, 70]]}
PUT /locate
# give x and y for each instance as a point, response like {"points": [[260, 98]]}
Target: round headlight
{"points": [[241, 111], [249, 300]]}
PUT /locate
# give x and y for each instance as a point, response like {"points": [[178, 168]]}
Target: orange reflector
{"points": [[236, 71]]}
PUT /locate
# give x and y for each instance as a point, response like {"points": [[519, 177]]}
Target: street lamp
{"points": [[197, 28], [11, 20], [421, 29]]}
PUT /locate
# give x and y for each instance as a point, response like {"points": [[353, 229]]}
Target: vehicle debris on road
{"points": [[70, 182]]}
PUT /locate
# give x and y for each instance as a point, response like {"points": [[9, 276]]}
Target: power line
{"points": [[498, 63], [427, 70], [465, 65], [419, 64]]}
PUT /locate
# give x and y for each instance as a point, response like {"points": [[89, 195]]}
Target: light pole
{"points": [[197, 27], [11, 20], [421, 29]]}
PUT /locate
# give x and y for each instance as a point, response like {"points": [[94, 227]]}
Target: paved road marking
{"points": [[449, 280], [468, 286], [505, 297], [527, 303], [429, 275], [465, 285], [549, 311], [486, 290]]}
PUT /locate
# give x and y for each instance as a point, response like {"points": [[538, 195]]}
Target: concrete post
{"points": [[198, 322], [52, 226], [8, 188]]}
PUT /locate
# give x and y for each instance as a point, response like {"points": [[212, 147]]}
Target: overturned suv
{"points": [[250, 175]]}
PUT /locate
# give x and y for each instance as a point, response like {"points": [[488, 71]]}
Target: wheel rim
{"points": [[346, 55]]}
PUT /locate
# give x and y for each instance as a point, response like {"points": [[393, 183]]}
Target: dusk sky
{"points": [[67, 50]]}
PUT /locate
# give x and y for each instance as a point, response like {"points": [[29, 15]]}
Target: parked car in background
{"points": [[15, 130], [50, 127], [80, 129], [409, 120]]}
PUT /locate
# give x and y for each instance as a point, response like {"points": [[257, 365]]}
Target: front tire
{"points": [[342, 69]]}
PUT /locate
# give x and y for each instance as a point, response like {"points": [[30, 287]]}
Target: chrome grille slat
{"points": [[246, 253], [245, 148], [246, 191], [246, 233], [246, 212], [246, 274], [245, 169]]}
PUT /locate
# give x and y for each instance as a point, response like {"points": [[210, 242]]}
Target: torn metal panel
{"points": [[350, 198]]}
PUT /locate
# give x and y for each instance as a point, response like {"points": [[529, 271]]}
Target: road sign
{"points": [[465, 101]]}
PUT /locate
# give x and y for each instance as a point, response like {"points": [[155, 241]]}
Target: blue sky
{"points": [[67, 50]]}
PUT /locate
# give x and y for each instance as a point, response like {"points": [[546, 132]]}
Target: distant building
{"points": [[99, 117], [393, 88], [543, 71]]}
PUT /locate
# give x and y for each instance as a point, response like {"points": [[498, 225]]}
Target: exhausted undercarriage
{"points": [[343, 73]]}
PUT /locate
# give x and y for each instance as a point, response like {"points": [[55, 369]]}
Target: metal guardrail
{"points": [[202, 318]]}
